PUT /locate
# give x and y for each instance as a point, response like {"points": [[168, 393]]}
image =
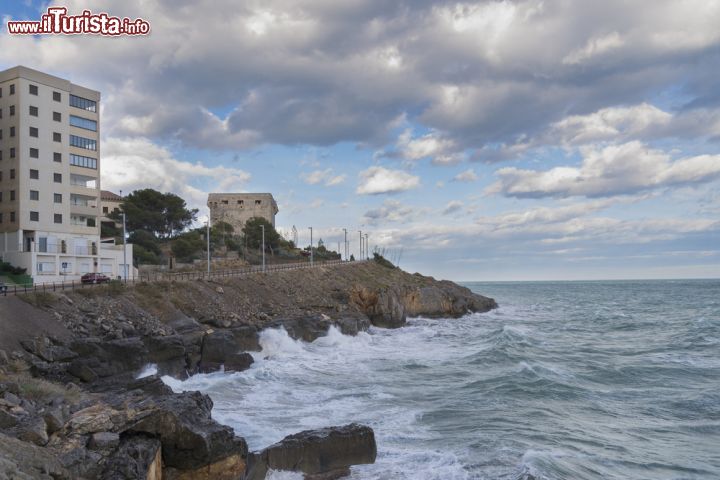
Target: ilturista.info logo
{"points": [[56, 21]]}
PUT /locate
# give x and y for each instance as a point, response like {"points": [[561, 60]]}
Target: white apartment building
{"points": [[50, 179]]}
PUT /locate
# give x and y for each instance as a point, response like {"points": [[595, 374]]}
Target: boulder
{"points": [[352, 323], [33, 430], [190, 438], [168, 353], [246, 338], [24, 461], [238, 362], [230, 468], [388, 312], [323, 453], [48, 350], [306, 328], [138, 456], [7, 420], [107, 358], [104, 441], [216, 347]]}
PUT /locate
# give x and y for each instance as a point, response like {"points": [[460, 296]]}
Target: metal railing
{"points": [[171, 277]]}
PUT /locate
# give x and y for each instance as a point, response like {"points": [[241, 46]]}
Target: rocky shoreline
{"points": [[71, 405]]}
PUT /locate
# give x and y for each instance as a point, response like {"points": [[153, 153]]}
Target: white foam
{"points": [[148, 370]]}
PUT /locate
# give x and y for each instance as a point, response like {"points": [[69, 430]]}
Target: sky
{"points": [[490, 140]]}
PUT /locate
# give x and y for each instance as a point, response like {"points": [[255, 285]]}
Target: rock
{"points": [[388, 312], [306, 328], [326, 452], [54, 420], [23, 461], [168, 353], [34, 431], [181, 323], [219, 289], [152, 385], [11, 398], [7, 420], [4, 359], [137, 457], [108, 358], [81, 369], [246, 338], [48, 350], [190, 438], [353, 323], [216, 347], [96, 418], [238, 362], [104, 441], [230, 468], [445, 299]]}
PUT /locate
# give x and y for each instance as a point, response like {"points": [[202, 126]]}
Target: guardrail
{"points": [[172, 277]]}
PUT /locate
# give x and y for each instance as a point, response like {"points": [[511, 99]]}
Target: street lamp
{"points": [[345, 244], [367, 249], [125, 265], [361, 245], [263, 245], [207, 234], [312, 258]]}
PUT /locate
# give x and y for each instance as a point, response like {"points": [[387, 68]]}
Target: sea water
{"points": [[566, 380]]}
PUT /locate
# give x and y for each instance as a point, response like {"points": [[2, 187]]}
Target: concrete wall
{"points": [[238, 208]]}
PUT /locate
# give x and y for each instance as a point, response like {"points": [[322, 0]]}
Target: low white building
{"points": [[50, 180]]}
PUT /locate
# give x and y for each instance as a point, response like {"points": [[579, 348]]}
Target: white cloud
{"points": [[452, 206], [131, 164], [325, 177], [442, 150], [614, 170], [594, 47], [379, 180], [468, 175], [392, 211]]}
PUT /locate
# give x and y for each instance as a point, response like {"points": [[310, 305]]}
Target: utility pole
{"points": [[207, 234], [125, 265], [345, 244], [361, 245], [367, 249], [263, 245], [312, 258]]}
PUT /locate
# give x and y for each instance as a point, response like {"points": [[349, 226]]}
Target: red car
{"points": [[94, 278]]}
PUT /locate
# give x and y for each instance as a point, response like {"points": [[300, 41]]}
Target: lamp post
{"points": [[345, 244], [263, 246], [361, 245], [125, 265], [207, 234], [367, 248], [312, 258]]}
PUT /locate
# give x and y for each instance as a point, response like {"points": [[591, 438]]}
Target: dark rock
{"points": [[238, 362], [108, 358], [168, 353], [328, 451], [307, 328], [12, 387], [104, 441], [246, 338], [7, 420], [353, 323], [152, 385], [190, 438], [23, 461], [388, 311], [54, 420], [48, 350], [34, 431], [11, 398], [181, 323], [81, 369], [138, 457]]}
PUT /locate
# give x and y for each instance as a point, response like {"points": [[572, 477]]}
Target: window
{"points": [[12, 89], [33, 132], [57, 198], [57, 218], [240, 202], [82, 142], [34, 195], [85, 123], [12, 153], [1, 178], [34, 153], [57, 97], [12, 195], [12, 131], [57, 116], [0, 154], [80, 161], [12, 173], [57, 157], [34, 174], [225, 202], [12, 217], [33, 111], [57, 137], [57, 177], [0, 112], [0, 217], [33, 89], [34, 216], [105, 210], [258, 202], [12, 110], [83, 103]]}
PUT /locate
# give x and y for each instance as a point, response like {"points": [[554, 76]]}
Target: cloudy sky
{"points": [[496, 140]]}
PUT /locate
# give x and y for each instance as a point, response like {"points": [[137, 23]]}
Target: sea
{"points": [[566, 380]]}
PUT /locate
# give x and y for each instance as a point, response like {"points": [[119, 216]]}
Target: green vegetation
{"points": [[16, 275], [380, 260], [163, 214]]}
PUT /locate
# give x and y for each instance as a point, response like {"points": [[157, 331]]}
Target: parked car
{"points": [[3, 287], [94, 278]]}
